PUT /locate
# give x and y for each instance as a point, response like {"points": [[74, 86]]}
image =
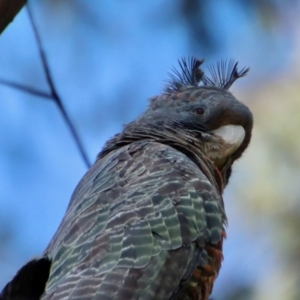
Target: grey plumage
{"points": [[147, 220]]}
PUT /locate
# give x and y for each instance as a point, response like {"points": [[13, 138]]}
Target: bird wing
{"points": [[136, 227]]}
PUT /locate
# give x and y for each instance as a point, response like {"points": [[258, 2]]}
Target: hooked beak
{"points": [[232, 135]]}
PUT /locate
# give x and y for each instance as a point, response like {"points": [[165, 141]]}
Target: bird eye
{"points": [[198, 111]]}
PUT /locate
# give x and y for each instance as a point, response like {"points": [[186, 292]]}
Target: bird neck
{"points": [[186, 143]]}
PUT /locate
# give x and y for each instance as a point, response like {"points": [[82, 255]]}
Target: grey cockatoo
{"points": [[147, 221]]}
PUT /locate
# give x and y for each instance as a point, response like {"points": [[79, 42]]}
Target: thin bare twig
{"points": [[53, 91], [26, 89]]}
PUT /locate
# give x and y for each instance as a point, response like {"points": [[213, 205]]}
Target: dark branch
{"points": [[53, 91], [8, 10]]}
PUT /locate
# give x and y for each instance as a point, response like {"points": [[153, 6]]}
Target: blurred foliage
{"points": [[273, 176]]}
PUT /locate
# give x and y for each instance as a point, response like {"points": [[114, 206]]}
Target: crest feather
{"points": [[190, 74], [224, 74]]}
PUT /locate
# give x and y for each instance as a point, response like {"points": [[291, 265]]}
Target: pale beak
{"points": [[233, 136]]}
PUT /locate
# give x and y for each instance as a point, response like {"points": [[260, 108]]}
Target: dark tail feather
{"points": [[30, 281]]}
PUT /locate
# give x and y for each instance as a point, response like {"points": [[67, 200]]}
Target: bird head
{"points": [[197, 107], [196, 113]]}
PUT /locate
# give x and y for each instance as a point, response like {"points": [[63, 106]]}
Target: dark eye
{"points": [[198, 111]]}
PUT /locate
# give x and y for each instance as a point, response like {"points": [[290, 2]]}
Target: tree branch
{"points": [[26, 89], [8, 10], [54, 93]]}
